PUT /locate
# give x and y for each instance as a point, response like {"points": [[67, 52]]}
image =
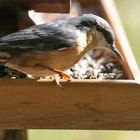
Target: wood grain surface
{"points": [[78, 104], [87, 104]]}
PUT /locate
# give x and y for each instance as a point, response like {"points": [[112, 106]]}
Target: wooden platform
{"points": [[87, 104], [14, 13], [79, 104]]}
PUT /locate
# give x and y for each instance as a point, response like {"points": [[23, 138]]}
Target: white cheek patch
{"points": [[82, 42]]}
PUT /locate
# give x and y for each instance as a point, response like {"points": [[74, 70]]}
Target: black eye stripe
{"points": [[90, 21]]}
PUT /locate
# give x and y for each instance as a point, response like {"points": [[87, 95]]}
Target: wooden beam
{"points": [[88, 104], [57, 6]]}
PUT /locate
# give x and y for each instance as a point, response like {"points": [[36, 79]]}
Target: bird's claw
{"points": [[64, 75], [61, 75]]}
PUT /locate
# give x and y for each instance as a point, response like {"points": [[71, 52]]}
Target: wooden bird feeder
{"points": [[14, 13], [80, 104]]}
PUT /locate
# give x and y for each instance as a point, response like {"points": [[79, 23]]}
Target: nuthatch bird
{"points": [[47, 49]]}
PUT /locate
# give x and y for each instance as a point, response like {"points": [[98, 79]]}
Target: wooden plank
{"points": [[38, 5], [87, 3], [57, 6], [110, 13], [89, 104]]}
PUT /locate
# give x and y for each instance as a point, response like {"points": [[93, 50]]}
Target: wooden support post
{"points": [[13, 134]]}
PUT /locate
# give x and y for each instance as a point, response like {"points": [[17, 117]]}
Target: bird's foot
{"points": [[61, 75]]}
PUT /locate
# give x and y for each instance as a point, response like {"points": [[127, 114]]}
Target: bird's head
{"points": [[99, 30]]}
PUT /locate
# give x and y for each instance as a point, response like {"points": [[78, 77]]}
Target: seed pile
{"points": [[97, 64]]}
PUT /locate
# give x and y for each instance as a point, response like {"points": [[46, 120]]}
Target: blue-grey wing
{"points": [[41, 37]]}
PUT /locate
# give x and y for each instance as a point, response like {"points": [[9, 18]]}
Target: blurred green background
{"points": [[82, 135], [129, 11]]}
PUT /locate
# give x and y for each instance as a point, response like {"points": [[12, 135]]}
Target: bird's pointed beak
{"points": [[120, 59], [117, 54]]}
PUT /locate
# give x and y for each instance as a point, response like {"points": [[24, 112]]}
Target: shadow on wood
{"points": [[13, 135]]}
